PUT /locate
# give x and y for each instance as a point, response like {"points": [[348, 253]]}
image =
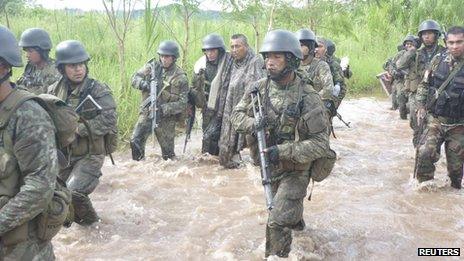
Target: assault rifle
{"points": [[190, 120], [261, 137], [344, 122], [153, 108]]}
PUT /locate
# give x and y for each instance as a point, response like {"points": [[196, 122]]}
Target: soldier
{"points": [[338, 75], [247, 68], [40, 71], [441, 95], [415, 62], [172, 91], [87, 153], [290, 105], [29, 164], [316, 69], [209, 89]]}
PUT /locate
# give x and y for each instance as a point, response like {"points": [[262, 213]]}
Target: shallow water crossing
{"points": [[193, 209]]}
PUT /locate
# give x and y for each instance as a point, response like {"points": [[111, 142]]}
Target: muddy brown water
{"points": [[193, 209]]}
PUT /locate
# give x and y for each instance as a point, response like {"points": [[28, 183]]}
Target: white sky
{"points": [[97, 4]]}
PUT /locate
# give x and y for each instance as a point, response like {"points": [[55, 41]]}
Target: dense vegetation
{"points": [[366, 31]]}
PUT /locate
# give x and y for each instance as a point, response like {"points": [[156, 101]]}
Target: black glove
{"points": [[273, 154], [331, 107]]}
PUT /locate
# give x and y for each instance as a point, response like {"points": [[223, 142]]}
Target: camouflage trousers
{"points": [[413, 118], [82, 177], [287, 214], [165, 134], [429, 150], [33, 249], [393, 96], [402, 98], [211, 126]]}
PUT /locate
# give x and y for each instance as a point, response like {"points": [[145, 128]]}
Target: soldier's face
{"points": [[304, 49], [4, 68], [275, 63], [238, 49], [455, 44], [428, 37], [211, 54], [32, 55], [166, 60], [320, 50], [75, 72], [409, 45]]}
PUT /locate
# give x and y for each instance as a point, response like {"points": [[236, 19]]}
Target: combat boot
{"points": [[84, 213], [138, 153]]}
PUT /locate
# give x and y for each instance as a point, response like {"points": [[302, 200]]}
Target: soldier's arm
{"points": [[35, 150], [324, 76], [198, 89], [141, 78], [240, 120], [423, 88], [314, 137], [179, 103], [338, 78], [106, 121]]}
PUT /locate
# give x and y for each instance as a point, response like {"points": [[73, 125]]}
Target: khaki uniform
{"points": [[87, 157], [28, 170], [243, 73], [293, 108], [172, 91], [445, 121], [37, 80]]}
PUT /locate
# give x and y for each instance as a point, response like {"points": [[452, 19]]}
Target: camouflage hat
{"points": [[70, 51], [281, 41], [168, 48], [429, 25], [9, 50], [36, 37], [330, 46], [213, 41]]}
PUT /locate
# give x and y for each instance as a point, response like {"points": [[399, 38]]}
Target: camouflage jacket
{"points": [[172, 88], [243, 74], [415, 62], [28, 164], [319, 72], [38, 80], [337, 76], [296, 152], [398, 75], [100, 123]]}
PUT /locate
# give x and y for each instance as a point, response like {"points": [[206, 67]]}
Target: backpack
{"points": [[65, 121]]}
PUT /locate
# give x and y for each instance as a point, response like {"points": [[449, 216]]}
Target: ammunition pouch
{"points": [[322, 167]]}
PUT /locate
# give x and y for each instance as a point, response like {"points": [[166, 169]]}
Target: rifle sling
{"points": [[449, 79]]}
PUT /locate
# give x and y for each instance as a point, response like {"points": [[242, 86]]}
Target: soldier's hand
{"points": [[420, 114], [144, 86], [272, 153], [261, 123]]}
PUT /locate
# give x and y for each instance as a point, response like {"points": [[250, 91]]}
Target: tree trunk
{"points": [[7, 18]]}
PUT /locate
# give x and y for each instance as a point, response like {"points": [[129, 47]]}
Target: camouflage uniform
{"points": [[243, 73], [319, 72], [415, 62], [172, 90], [86, 157], [201, 87], [37, 80], [28, 167], [290, 175], [338, 77], [401, 96], [445, 120]]}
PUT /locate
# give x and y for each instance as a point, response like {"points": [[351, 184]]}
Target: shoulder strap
{"points": [[449, 79], [11, 103]]}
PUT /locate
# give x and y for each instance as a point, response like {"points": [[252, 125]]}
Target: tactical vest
{"points": [[47, 224], [450, 103], [421, 62]]}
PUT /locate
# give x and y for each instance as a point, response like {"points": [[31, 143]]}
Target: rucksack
{"points": [[65, 121]]}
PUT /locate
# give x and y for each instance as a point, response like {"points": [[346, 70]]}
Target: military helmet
{"points": [[9, 49], [409, 38], [70, 51], [330, 46], [35, 37], [305, 35], [429, 25], [168, 48], [213, 41], [281, 41]]}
